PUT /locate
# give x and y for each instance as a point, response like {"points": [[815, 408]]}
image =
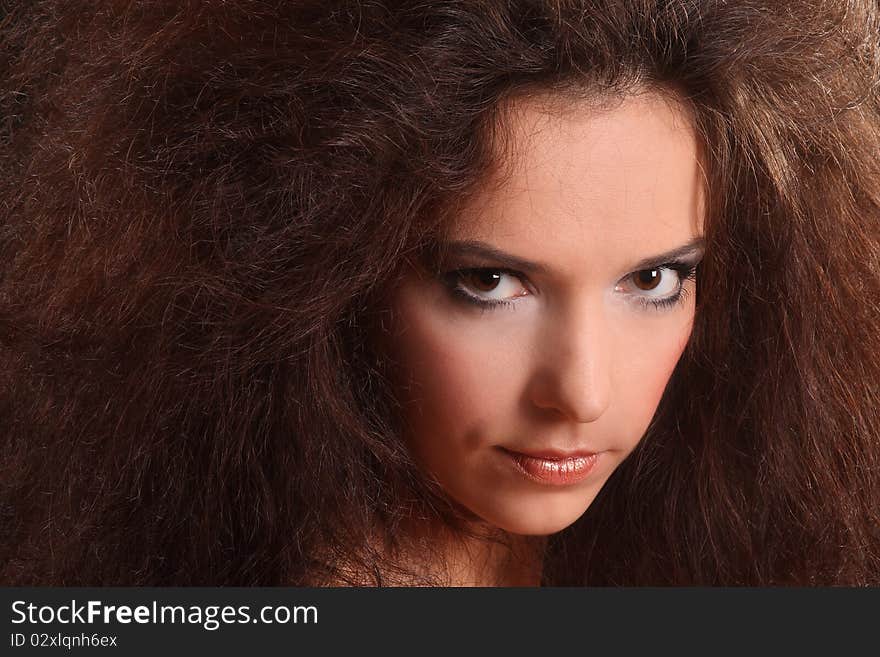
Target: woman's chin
{"points": [[540, 523], [536, 528]]}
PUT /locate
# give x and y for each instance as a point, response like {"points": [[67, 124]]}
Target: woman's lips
{"points": [[554, 468]]}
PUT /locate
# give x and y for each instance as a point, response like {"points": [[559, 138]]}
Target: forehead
{"points": [[575, 179]]}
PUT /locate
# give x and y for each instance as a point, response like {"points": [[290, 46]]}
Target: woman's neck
{"points": [[486, 558]]}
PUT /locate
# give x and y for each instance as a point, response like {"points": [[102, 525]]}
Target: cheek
{"points": [[456, 377], [648, 356]]}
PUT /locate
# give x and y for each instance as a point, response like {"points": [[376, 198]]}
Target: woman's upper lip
{"points": [[551, 454]]}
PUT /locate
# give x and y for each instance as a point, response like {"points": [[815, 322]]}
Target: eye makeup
{"points": [[685, 270], [482, 268], [455, 283], [453, 280]]}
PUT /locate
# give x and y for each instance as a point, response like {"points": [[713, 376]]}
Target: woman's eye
{"points": [[660, 286], [656, 282], [488, 286]]}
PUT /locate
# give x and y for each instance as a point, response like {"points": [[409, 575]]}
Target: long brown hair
{"points": [[202, 203]]}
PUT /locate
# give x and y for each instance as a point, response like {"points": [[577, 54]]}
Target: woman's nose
{"points": [[572, 376]]}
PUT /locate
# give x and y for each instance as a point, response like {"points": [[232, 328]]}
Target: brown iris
{"points": [[647, 279], [483, 280]]}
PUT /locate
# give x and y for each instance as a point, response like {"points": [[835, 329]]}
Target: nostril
{"points": [[581, 395]]}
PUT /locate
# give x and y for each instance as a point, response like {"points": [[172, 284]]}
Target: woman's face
{"points": [[531, 362]]}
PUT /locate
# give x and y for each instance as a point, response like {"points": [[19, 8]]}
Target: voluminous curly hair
{"points": [[201, 204]]}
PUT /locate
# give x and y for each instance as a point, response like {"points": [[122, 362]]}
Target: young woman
{"points": [[558, 292]]}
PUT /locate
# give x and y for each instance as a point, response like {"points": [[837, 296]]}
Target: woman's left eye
{"points": [[660, 286]]}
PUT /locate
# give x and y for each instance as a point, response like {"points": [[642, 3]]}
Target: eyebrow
{"points": [[692, 249], [475, 248]]}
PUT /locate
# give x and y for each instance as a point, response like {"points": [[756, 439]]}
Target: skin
{"points": [[578, 358]]}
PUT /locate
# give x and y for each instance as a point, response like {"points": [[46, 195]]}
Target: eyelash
{"points": [[452, 280], [685, 270]]}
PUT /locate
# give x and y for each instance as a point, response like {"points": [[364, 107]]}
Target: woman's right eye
{"points": [[486, 286]]}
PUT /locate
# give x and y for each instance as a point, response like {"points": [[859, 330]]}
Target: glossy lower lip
{"points": [[554, 469]]}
